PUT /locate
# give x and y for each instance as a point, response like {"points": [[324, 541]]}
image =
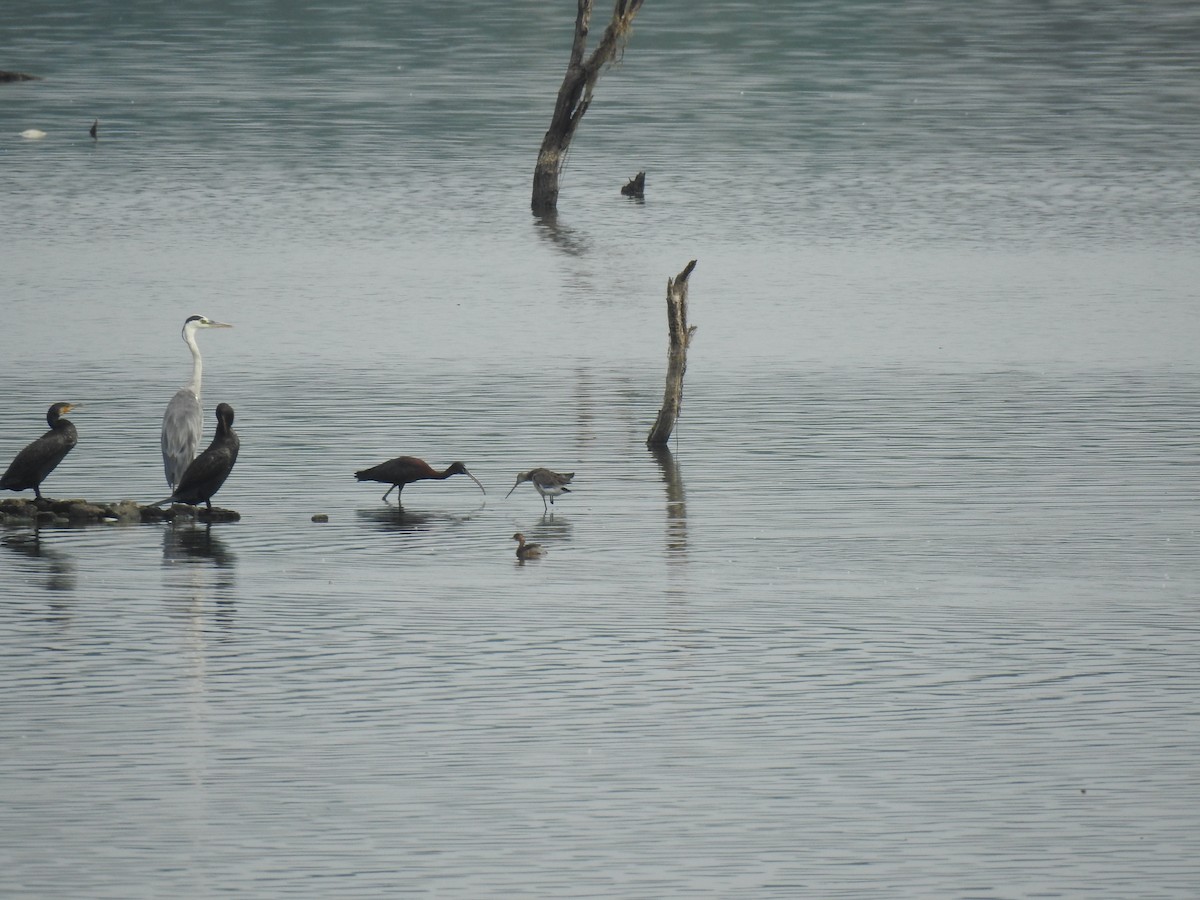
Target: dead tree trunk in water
{"points": [[575, 96], [681, 336]]}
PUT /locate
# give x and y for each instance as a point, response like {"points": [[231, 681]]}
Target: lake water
{"points": [[908, 610]]}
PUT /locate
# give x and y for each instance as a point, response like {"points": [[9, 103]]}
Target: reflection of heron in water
{"points": [[183, 422], [59, 566], [31, 466]]}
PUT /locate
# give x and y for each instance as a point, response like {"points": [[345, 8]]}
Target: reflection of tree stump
{"points": [[575, 95], [681, 335], [636, 186], [677, 537]]}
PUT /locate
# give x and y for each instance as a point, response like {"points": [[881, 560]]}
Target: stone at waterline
{"points": [[21, 511]]}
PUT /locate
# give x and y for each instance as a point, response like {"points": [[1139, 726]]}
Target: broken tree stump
{"points": [[680, 336], [636, 186], [575, 95]]}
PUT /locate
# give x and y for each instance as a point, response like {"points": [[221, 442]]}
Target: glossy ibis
{"points": [[406, 469]]}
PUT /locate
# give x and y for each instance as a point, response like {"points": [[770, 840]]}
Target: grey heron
{"points": [[183, 422], [208, 471], [31, 466], [548, 484]]}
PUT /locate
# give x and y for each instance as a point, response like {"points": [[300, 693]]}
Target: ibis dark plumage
{"points": [[548, 484], [208, 471], [406, 469], [31, 466]]}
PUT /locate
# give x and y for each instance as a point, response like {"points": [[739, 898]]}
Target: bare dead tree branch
{"points": [[680, 337], [575, 95]]}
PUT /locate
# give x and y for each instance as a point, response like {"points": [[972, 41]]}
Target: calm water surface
{"points": [[909, 609]]}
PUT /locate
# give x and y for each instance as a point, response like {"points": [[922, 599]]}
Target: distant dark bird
{"points": [[406, 469], [208, 471], [92, 130], [548, 484], [528, 551], [40, 458], [183, 422]]}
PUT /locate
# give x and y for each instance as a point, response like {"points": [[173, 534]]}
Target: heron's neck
{"points": [[197, 364]]}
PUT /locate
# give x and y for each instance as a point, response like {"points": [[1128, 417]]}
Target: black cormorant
{"points": [[208, 471], [40, 458]]}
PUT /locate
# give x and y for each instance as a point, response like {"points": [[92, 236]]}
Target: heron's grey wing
{"points": [[182, 425]]}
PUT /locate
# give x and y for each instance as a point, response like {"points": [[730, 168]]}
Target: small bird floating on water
{"points": [[31, 466], [208, 471], [548, 484], [528, 551], [406, 469]]}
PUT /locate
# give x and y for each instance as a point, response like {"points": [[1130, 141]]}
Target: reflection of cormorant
{"points": [[183, 422], [40, 458], [406, 469], [186, 544], [209, 470], [60, 567]]}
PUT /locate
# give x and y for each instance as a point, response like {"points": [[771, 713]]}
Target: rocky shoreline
{"points": [[19, 511]]}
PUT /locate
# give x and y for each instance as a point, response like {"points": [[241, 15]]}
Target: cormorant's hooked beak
{"points": [[71, 407]]}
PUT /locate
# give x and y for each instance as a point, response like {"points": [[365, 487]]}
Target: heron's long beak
{"points": [[477, 481], [212, 324]]}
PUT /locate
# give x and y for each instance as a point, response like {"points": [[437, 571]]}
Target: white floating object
{"points": [[33, 134]]}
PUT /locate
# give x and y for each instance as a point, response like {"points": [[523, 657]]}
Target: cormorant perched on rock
{"points": [[40, 458], [208, 471]]}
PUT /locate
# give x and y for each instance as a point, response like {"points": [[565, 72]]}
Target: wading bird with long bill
{"points": [[548, 484], [183, 422], [406, 469]]}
